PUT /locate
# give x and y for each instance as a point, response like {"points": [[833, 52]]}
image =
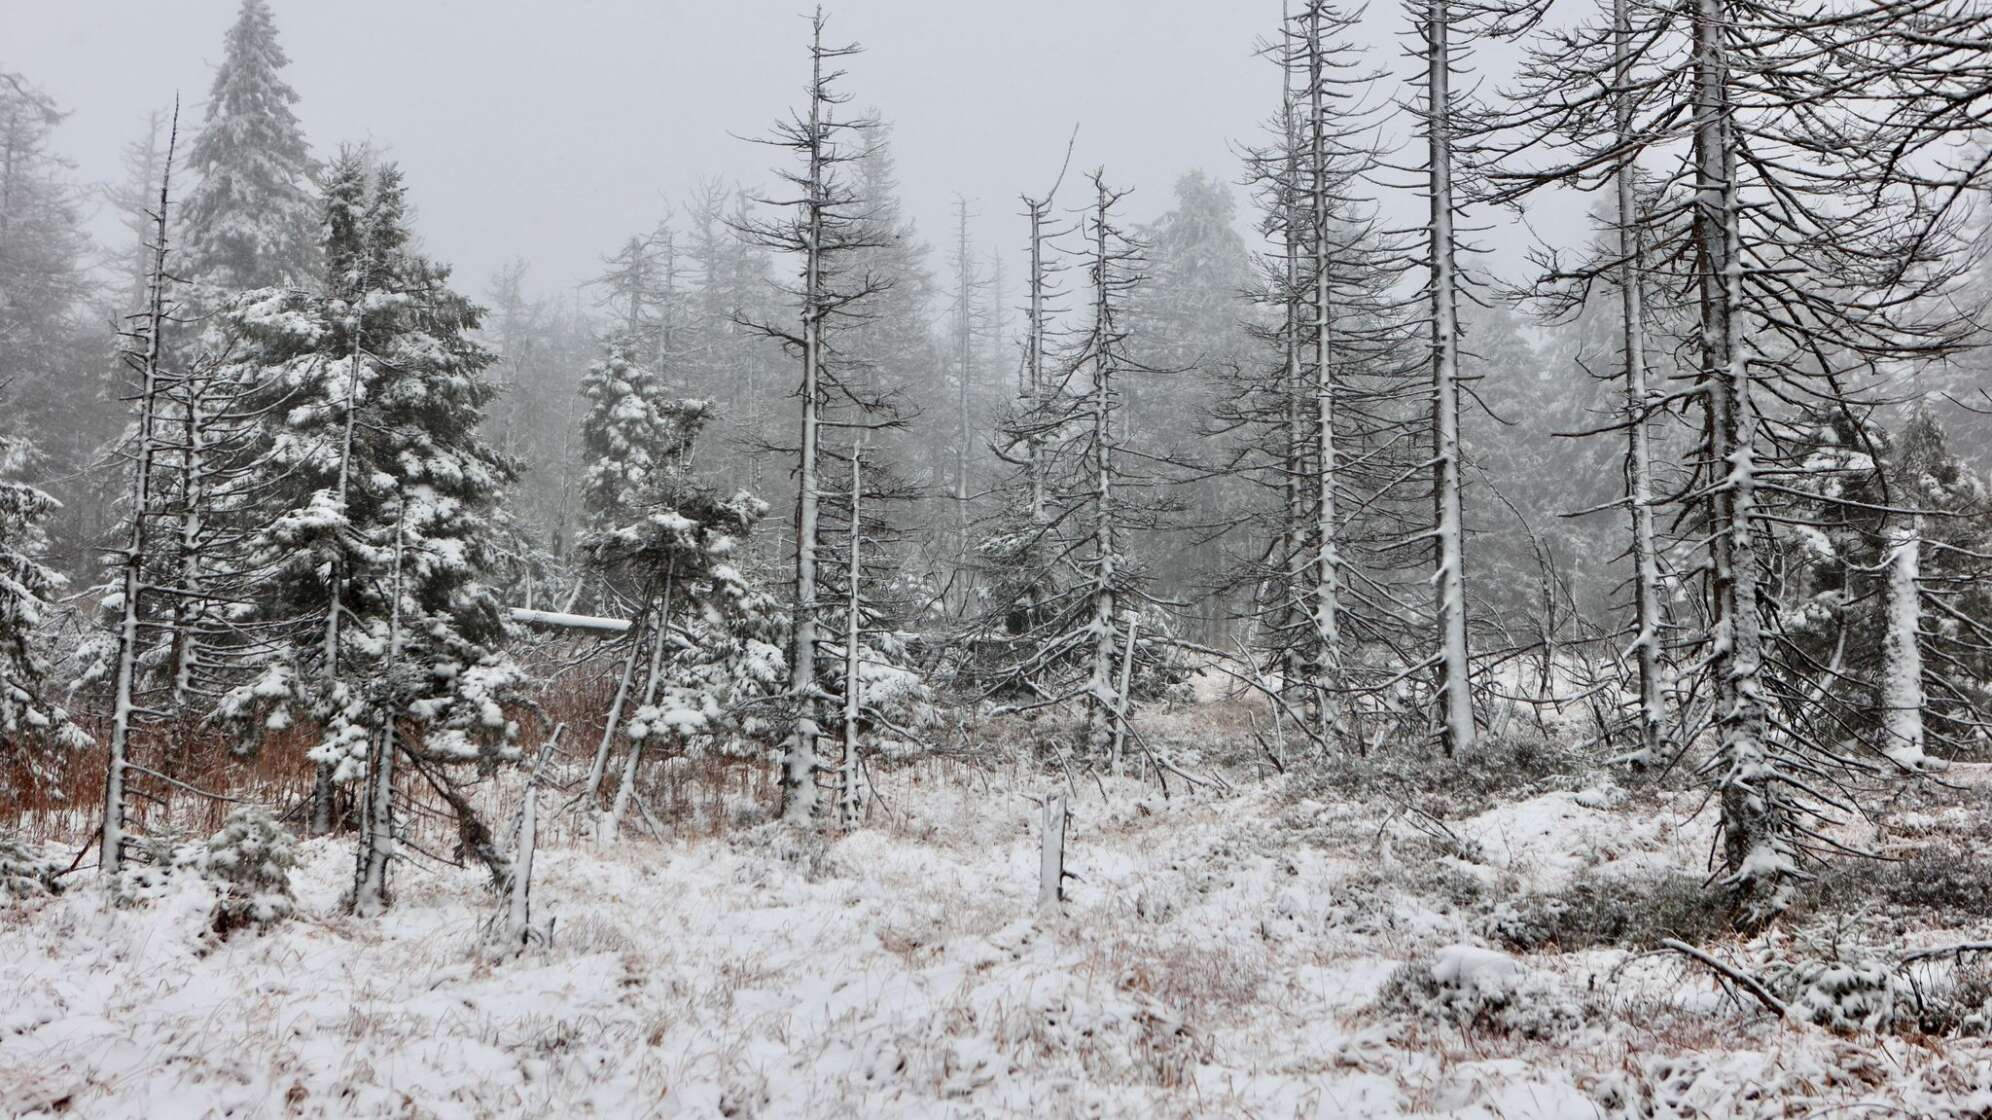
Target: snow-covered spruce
{"points": [[387, 505]]}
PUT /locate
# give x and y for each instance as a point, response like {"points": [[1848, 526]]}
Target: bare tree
{"points": [[826, 224]]}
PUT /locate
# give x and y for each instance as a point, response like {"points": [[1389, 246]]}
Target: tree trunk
{"points": [[1756, 827], [1639, 466], [847, 769], [1051, 852], [1327, 609], [1902, 698], [110, 859], [1448, 581], [799, 763], [376, 848]]}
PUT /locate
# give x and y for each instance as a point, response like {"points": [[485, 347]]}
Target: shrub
{"points": [[249, 864], [1500, 769], [1836, 975], [24, 872], [1954, 1000], [1481, 989], [1619, 910], [1944, 883]]}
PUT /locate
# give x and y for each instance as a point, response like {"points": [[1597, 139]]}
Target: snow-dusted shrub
{"points": [[157, 863], [1506, 768], [1838, 977], [1955, 997], [249, 864], [1951, 883], [1596, 909], [1484, 990], [25, 872], [1124, 1032]]}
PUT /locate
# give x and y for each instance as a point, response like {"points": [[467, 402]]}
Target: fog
{"points": [[549, 132], [552, 131]]}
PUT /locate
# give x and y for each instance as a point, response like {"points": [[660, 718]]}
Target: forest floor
{"points": [[1221, 954]]}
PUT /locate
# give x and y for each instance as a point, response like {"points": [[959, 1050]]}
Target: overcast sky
{"points": [[552, 129]]}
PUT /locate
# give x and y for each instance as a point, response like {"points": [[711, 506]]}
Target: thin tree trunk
{"points": [[610, 827], [1126, 688], [1639, 466], [370, 896], [1100, 703], [847, 777], [1327, 607], [1902, 698], [1448, 581], [800, 763], [124, 711], [599, 767], [964, 434], [1756, 825]]}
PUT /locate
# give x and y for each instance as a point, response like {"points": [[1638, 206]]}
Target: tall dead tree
{"points": [[1437, 109], [1804, 219], [825, 224], [144, 508]]}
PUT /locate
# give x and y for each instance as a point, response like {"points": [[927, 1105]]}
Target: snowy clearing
{"points": [[1216, 957]]}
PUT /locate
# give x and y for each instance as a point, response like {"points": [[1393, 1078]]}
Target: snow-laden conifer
{"points": [[251, 220], [382, 509]]}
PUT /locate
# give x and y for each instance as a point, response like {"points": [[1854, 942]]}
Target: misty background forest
{"points": [[1172, 559]]}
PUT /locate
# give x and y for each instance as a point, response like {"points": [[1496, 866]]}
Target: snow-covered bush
{"points": [[1954, 997], [1837, 976], [157, 863], [1508, 768], [249, 863], [25, 872], [1598, 909], [1481, 989]]}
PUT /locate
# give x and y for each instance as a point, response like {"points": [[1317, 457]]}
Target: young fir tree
{"points": [[1318, 431], [1019, 550], [723, 359], [32, 725], [1188, 326], [1890, 617], [368, 580], [1071, 606], [669, 544], [251, 219], [664, 548], [44, 352]]}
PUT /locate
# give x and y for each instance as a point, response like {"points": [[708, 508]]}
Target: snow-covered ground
{"points": [[1218, 956]]}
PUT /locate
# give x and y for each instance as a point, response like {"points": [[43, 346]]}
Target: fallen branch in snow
{"points": [[1945, 951], [561, 621], [1741, 979]]}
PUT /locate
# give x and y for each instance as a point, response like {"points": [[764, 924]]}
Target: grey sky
{"points": [[550, 131]]}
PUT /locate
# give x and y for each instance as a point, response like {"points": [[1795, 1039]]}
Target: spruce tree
{"points": [[31, 724], [369, 578], [251, 219]]}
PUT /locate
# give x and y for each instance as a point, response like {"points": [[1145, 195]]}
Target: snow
{"points": [[1218, 957]]}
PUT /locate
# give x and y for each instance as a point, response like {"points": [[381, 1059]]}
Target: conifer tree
{"points": [[250, 218], [31, 723], [46, 359], [1804, 231], [370, 579]]}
